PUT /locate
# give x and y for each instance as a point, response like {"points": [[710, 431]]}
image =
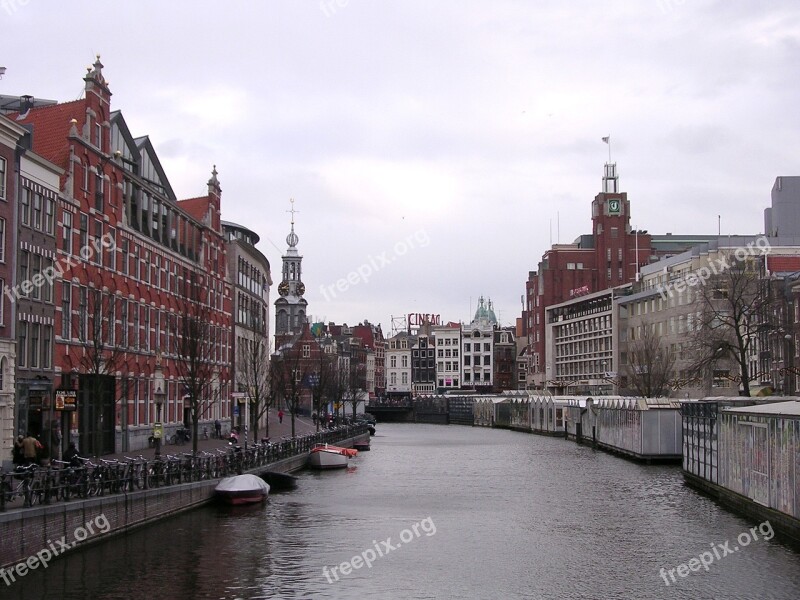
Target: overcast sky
{"points": [[440, 145]]}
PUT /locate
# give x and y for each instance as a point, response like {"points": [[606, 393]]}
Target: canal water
{"points": [[446, 512]]}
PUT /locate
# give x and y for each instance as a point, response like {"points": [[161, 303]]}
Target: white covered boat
{"points": [[242, 489], [325, 456]]}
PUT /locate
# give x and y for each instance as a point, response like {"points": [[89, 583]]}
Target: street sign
{"points": [[235, 410], [158, 430]]}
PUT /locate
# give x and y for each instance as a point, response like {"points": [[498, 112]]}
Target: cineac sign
{"points": [[419, 319]]}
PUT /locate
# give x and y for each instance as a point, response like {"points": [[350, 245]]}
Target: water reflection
{"points": [[517, 516]]}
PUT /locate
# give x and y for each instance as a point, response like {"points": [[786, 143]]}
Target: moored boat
{"points": [[325, 456], [242, 489]]}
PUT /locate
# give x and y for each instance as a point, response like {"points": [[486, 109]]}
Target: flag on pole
{"points": [[605, 139]]}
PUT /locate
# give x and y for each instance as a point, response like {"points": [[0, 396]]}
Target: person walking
{"points": [[30, 446], [218, 428], [280, 416], [18, 456]]}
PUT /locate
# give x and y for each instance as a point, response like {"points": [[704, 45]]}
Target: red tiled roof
{"points": [[51, 126], [196, 207], [783, 264]]}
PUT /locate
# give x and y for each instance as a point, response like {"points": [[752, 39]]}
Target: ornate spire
{"points": [[292, 238]]}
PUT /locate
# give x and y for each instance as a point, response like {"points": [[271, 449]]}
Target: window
{"points": [[22, 343], [66, 309], [2, 178], [393, 361], [36, 270], [135, 311], [50, 214], [25, 207], [2, 240], [24, 275], [34, 345], [66, 233], [486, 347], [98, 190], [123, 320], [37, 212], [83, 294], [84, 230]]}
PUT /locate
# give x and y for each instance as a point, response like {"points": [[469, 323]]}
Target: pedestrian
{"points": [[218, 428], [17, 452], [314, 417], [71, 455], [280, 416], [30, 447]]}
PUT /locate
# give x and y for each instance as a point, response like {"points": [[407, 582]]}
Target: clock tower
{"points": [[290, 307]]}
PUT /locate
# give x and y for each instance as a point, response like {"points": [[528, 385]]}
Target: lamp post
{"points": [[158, 394], [787, 365]]}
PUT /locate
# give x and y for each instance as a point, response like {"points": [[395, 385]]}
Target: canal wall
{"points": [[46, 532], [785, 526]]}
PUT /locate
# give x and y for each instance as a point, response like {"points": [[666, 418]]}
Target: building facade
{"points": [[249, 276], [35, 309], [448, 357], [398, 366], [10, 136], [611, 255], [477, 349], [133, 261]]}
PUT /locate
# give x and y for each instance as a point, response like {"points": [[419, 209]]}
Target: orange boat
{"points": [[325, 456]]}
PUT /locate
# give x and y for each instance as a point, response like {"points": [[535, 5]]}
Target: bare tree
{"points": [[101, 357], [354, 385], [323, 380], [257, 372], [650, 364], [195, 345], [733, 305], [290, 377]]}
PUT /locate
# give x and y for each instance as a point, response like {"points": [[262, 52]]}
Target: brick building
{"points": [[609, 256], [132, 259]]}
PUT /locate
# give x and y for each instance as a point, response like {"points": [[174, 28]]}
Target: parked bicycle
{"points": [[25, 487]]}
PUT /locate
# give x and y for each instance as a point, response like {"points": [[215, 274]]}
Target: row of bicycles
{"points": [[83, 478]]}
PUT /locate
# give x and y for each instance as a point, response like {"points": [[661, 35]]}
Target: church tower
{"points": [[290, 307]]}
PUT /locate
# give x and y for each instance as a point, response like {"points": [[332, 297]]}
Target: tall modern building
{"points": [[290, 307], [782, 219]]}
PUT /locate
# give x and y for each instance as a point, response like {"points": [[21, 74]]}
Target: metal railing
{"points": [[62, 482]]}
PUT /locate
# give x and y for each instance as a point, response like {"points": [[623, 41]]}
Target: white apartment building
{"points": [[398, 365], [448, 357]]}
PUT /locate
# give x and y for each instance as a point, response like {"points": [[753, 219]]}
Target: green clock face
{"points": [[613, 206]]}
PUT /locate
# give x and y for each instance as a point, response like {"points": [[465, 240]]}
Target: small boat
{"points": [[279, 481], [242, 489], [325, 456], [361, 446]]}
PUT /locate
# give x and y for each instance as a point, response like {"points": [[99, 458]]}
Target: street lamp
{"points": [[158, 394]]}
